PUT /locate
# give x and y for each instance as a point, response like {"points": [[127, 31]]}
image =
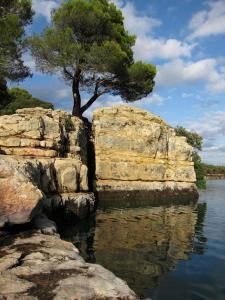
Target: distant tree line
{"points": [[201, 169], [213, 170], [17, 98]]}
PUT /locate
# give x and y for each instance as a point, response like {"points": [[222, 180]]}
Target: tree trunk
{"points": [[76, 95], [89, 103], [76, 106]]}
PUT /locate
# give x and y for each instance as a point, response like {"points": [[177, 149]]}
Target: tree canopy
{"points": [[20, 98], [89, 46], [14, 16]]}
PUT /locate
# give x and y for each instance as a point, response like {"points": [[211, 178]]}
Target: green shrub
{"points": [[195, 140], [69, 124], [199, 171]]}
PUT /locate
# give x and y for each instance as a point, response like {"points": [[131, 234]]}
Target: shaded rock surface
{"points": [[36, 266], [136, 150], [43, 157]]}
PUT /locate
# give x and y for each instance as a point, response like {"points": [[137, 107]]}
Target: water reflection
{"points": [[140, 244], [200, 239]]}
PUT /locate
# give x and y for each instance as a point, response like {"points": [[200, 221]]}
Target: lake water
{"points": [[163, 252]]}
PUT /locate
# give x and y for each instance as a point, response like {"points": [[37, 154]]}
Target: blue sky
{"points": [[186, 41]]}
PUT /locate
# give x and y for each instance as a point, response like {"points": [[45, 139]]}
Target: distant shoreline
{"points": [[215, 176]]}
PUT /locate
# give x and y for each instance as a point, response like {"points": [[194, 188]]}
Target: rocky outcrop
{"points": [[136, 150], [38, 132], [36, 266], [43, 160], [43, 163]]}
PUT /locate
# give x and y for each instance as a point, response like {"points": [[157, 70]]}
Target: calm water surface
{"points": [[163, 252]]}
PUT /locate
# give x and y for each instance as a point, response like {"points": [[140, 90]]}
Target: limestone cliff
{"points": [[43, 160], [136, 150]]}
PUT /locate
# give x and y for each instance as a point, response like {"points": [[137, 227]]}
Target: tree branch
{"points": [[68, 73], [96, 94], [89, 103]]}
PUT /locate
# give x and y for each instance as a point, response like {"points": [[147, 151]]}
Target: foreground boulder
{"points": [[137, 151], [19, 197], [36, 266], [43, 163]]}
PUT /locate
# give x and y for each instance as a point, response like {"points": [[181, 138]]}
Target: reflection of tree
{"points": [[200, 239]]}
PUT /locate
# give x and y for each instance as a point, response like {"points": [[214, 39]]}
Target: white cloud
{"points": [[187, 95], [209, 22], [63, 93], [138, 24], [178, 72], [212, 128], [153, 98], [44, 7], [148, 47]]}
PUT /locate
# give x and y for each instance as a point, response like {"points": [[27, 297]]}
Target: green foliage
{"points": [[69, 124], [89, 36], [211, 169], [14, 16], [199, 171], [195, 140], [19, 98], [140, 81]]}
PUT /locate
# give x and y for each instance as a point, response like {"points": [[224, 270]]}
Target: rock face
{"points": [[18, 195], [36, 266], [43, 161], [136, 150], [38, 132]]}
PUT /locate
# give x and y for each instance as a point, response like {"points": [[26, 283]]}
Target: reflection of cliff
{"points": [[140, 245]]}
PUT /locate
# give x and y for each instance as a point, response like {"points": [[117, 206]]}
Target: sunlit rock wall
{"points": [[43, 153], [136, 150]]}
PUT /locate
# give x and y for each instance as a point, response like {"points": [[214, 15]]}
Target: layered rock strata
{"points": [[136, 150], [43, 162], [36, 266]]}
